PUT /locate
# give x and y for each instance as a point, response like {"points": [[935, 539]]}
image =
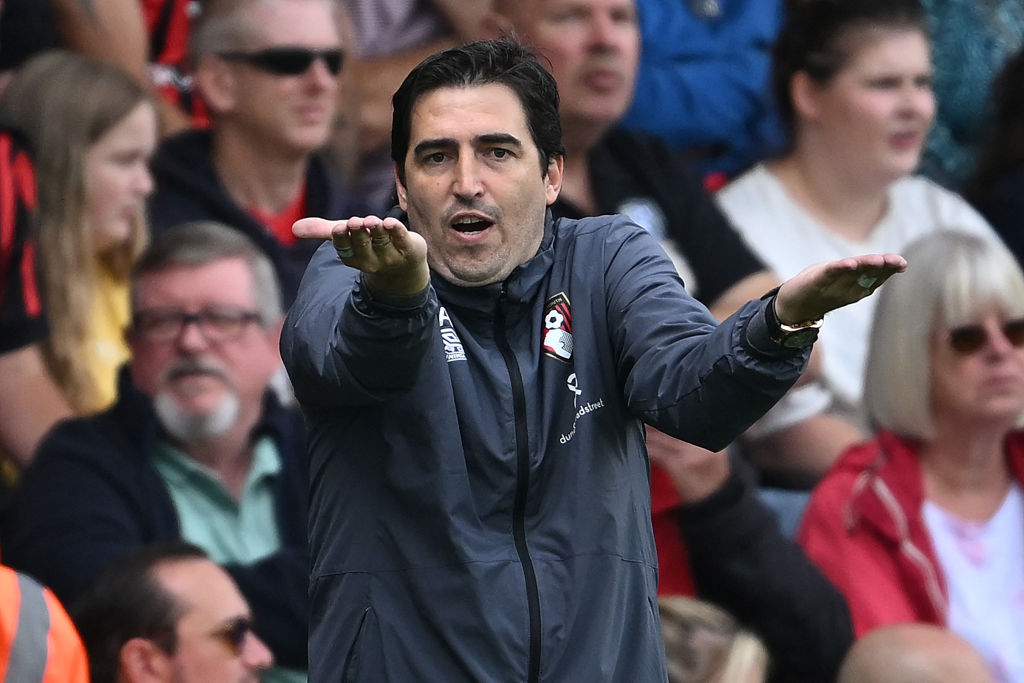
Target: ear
{"points": [[803, 92], [141, 661], [403, 200], [217, 83], [553, 179]]}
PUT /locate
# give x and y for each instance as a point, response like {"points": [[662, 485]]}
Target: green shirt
{"points": [[230, 531]]}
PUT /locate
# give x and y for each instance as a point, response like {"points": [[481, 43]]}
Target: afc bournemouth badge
{"points": [[557, 341]]}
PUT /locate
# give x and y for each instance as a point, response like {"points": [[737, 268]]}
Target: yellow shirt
{"points": [[106, 349]]}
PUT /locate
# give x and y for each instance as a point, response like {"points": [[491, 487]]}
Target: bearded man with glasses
{"points": [[197, 447], [268, 74]]}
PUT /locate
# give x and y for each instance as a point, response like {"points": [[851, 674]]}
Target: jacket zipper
{"points": [[522, 488]]}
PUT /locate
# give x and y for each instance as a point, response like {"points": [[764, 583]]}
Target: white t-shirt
{"points": [[983, 563], [788, 240]]}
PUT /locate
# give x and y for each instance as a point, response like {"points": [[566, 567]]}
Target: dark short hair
{"points": [[815, 39], [504, 62], [126, 601]]}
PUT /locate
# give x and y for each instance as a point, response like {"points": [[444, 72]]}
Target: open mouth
{"points": [[471, 225]]}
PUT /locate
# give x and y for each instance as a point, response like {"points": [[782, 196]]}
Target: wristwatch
{"points": [[794, 336]]}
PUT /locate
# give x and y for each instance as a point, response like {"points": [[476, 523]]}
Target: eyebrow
{"points": [[487, 139]]}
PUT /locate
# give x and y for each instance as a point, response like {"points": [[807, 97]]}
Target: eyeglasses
{"points": [[161, 325], [233, 633], [288, 61], [967, 339]]}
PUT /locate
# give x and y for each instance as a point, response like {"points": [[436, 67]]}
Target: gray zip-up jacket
{"points": [[480, 505]]}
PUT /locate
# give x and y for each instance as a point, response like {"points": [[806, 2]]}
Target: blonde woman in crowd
{"points": [[704, 644], [92, 129]]}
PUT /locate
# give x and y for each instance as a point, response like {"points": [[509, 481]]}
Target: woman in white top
{"points": [[853, 84]]}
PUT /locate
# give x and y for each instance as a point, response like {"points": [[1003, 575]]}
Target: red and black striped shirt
{"points": [[21, 313]]}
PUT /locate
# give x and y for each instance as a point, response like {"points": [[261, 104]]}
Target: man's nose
{"points": [[467, 182], [602, 29], [191, 336], [320, 76], [256, 656]]}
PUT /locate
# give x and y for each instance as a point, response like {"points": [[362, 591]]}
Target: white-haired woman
{"points": [[925, 523]]}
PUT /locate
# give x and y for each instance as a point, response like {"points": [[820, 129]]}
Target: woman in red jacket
{"points": [[926, 521]]}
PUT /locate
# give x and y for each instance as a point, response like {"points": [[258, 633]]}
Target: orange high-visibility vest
{"points": [[38, 642]]}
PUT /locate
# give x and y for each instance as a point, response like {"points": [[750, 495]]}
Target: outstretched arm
{"points": [[824, 287]]}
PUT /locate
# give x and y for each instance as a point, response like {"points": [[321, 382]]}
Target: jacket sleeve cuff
{"points": [[395, 303], [757, 334]]}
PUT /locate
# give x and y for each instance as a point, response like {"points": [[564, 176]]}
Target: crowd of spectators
{"points": [[154, 156]]}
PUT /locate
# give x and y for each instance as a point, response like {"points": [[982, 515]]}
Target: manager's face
{"points": [[473, 182]]}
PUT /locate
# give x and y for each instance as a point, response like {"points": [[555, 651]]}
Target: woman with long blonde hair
{"points": [[93, 130]]}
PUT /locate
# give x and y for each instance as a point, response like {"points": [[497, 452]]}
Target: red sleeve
{"points": [[857, 562], [674, 577], [21, 312]]}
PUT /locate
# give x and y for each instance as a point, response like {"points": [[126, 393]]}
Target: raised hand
{"points": [[393, 257], [824, 287]]}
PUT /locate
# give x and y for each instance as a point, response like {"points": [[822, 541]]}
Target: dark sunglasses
{"points": [[233, 633], [970, 338], [288, 61]]}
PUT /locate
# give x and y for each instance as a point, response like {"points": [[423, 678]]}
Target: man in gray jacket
{"points": [[476, 389]]}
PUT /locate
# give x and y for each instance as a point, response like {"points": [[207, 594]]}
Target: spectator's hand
{"points": [[824, 287], [696, 472], [393, 257]]}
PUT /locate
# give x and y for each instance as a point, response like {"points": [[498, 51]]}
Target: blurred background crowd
{"points": [[155, 153]]}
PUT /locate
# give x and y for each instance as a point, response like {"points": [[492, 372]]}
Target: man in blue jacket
{"points": [[476, 390], [196, 448]]}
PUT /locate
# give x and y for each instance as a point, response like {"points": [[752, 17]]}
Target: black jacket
{"points": [[189, 189], [92, 492], [741, 561]]}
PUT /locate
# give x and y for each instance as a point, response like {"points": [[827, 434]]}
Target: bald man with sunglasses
{"points": [[268, 73]]}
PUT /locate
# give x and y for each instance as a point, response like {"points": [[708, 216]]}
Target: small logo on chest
{"points": [[557, 339]]}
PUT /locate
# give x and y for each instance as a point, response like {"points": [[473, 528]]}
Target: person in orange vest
{"points": [[38, 641]]}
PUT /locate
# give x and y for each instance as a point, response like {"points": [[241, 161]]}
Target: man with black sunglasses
{"points": [[197, 447], [166, 612], [268, 75]]}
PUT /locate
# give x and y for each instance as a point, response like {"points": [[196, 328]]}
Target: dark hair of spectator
{"points": [[127, 601], [1002, 148], [504, 62], [819, 37]]}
